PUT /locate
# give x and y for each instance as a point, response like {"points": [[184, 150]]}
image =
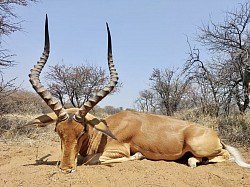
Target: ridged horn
{"points": [[51, 101], [88, 105]]}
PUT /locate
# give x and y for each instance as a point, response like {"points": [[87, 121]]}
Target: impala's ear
{"points": [[99, 125], [43, 120]]}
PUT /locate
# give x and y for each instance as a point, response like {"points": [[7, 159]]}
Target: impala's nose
{"points": [[67, 169]]}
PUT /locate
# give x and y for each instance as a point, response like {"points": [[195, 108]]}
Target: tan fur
{"points": [[141, 135]]}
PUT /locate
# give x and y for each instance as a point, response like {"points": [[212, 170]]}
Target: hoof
{"points": [[138, 156], [192, 162]]}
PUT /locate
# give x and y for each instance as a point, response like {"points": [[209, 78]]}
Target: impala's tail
{"points": [[236, 156]]}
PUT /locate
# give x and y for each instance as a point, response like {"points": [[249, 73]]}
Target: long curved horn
{"points": [[52, 102], [87, 106]]}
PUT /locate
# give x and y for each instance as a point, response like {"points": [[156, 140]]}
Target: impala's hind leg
{"points": [[221, 157]]}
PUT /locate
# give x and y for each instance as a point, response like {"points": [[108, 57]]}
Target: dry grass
{"points": [[234, 130], [11, 129], [196, 117]]}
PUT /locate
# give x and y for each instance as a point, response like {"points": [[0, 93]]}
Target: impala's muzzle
{"points": [[67, 169]]}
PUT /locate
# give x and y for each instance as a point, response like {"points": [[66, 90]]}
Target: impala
{"points": [[126, 135]]}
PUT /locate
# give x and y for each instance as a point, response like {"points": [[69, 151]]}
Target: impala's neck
{"points": [[93, 143]]}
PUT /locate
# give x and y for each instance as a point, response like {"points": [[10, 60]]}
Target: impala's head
{"points": [[71, 124]]}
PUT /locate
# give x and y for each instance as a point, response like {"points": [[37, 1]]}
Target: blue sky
{"points": [[146, 34]]}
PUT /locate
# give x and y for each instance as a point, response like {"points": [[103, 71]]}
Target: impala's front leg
{"points": [[136, 156], [99, 158], [117, 152], [193, 161]]}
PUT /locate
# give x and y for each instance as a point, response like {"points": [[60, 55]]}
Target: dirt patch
{"points": [[34, 164]]}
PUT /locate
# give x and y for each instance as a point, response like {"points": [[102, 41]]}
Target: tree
{"points": [[9, 25], [76, 84], [229, 37], [206, 79], [169, 88], [220, 78], [146, 102], [166, 92]]}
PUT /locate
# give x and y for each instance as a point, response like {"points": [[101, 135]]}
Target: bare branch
{"points": [[76, 84], [9, 23], [228, 36]]}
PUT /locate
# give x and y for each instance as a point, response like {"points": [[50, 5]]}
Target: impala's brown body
{"points": [[126, 135]]}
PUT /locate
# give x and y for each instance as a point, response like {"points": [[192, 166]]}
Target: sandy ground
{"points": [[34, 164]]}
